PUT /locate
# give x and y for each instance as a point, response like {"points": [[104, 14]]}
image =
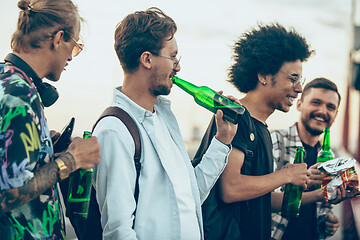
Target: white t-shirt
{"points": [[174, 165]]}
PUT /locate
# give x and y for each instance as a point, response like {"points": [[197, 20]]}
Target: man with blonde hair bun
{"points": [[44, 42]]}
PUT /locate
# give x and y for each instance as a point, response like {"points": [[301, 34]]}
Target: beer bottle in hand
{"points": [[212, 100], [79, 191], [325, 153], [292, 195]]}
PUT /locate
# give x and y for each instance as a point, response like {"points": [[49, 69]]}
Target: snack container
{"points": [[337, 172]]}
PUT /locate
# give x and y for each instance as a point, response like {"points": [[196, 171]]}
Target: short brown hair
{"points": [[139, 32], [323, 83], [39, 19]]}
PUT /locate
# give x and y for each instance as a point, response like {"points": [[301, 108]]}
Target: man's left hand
{"points": [[329, 225]]}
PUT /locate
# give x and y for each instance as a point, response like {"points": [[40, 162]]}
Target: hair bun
{"points": [[24, 5]]}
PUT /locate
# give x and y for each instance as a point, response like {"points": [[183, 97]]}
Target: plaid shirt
{"points": [[285, 142]]}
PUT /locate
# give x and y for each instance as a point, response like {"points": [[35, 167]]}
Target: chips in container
{"points": [[337, 172]]}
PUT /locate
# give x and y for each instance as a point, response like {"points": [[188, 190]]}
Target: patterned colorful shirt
{"points": [[25, 146]]}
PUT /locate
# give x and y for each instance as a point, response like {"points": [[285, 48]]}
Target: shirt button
{"points": [[174, 213]]}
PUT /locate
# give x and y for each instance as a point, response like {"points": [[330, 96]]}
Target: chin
{"points": [[162, 91], [283, 108], [53, 77], [313, 129]]}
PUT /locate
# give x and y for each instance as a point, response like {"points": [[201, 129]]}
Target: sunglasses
{"points": [[77, 48]]}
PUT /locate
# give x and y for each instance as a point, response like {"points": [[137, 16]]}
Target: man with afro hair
{"points": [[268, 68]]}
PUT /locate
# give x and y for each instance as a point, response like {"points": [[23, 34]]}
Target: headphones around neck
{"points": [[48, 93]]}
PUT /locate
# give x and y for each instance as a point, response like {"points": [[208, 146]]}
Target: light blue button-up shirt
{"points": [[157, 213]]}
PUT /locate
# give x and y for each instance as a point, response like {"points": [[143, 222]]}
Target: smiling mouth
{"points": [[319, 118], [291, 99]]}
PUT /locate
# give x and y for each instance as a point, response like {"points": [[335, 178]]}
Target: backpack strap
{"points": [[250, 152], [134, 131], [205, 142], [91, 229]]}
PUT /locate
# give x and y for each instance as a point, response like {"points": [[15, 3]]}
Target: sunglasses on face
{"points": [[77, 48]]}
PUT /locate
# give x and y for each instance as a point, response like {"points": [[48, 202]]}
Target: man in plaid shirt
{"points": [[318, 108]]}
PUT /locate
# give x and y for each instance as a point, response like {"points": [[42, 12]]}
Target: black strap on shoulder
{"points": [[250, 153], [134, 131], [205, 142]]}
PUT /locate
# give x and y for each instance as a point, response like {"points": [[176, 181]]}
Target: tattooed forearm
{"points": [[43, 179]]}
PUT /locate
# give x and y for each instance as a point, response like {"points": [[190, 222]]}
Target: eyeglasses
{"points": [[295, 78], [77, 48], [174, 60]]}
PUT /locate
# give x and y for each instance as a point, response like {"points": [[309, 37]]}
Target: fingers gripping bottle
{"points": [[79, 190], [212, 100], [292, 196]]}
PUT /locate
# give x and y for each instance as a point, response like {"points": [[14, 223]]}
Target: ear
{"points": [[298, 104], [262, 79], [57, 39], [146, 60]]}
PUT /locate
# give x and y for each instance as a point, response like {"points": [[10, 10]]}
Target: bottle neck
{"points": [[185, 85], [299, 156], [326, 140]]}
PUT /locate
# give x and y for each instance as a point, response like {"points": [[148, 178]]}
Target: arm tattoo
{"points": [[43, 179]]}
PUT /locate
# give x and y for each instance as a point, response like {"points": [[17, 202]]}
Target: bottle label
{"points": [[79, 192]]}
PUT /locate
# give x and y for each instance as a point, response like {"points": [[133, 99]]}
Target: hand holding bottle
{"points": [[225, 129], [86, 152], [298, 174], [291, 202], [329, 225], [79, 190]]}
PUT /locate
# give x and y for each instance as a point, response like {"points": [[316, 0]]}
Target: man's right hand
{"points": [[298, 174], [225, 130], [86, 152]]}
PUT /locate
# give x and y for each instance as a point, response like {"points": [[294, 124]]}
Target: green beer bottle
{"points": [[325, 153], [79, 190], [292, 196], [212, 100]]}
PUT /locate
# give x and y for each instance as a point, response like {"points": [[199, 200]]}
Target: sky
{"points": [[207, 30]]}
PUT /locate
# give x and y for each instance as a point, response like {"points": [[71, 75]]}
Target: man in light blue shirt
{"points": [[171, 191]]}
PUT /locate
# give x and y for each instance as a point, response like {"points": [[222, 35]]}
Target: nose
{"points": [[323, 109], [177, 68], [298, 87]]}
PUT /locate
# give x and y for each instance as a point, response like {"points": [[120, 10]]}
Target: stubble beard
{"points": [[312, 131], [158, 87]]}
